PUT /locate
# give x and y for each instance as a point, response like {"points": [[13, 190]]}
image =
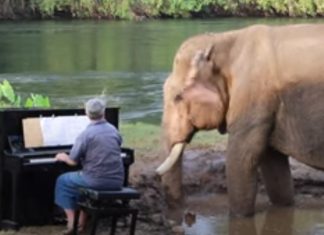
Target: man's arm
{"points": [[63, 157]]}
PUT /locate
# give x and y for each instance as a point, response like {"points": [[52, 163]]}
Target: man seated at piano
{"points": [[97, 149]]}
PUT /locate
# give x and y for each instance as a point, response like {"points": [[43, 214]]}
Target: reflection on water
{"points": [[274, 221], [71, 61]]}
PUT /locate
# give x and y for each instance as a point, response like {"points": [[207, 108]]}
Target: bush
{"points": [[137, 9], [8, 98]]}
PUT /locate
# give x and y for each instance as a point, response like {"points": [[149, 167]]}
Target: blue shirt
{"points": [[98, 150]]}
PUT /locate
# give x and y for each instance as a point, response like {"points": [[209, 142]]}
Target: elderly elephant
{"points": [[262, 85]]}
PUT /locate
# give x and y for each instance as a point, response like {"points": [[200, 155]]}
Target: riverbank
{"points": [[146, 9], [147, 138]]}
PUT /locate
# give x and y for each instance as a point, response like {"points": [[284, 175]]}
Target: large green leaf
{"points": [[8, 91], [17, 101], [36, 100], [8, 98], [28, 103]]}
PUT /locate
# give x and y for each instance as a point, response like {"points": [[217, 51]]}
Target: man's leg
{"points": [[70, 217], [82, 220]]}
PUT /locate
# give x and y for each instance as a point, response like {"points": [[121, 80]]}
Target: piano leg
{"points": [[16, 180], [1, 195], [13, 222]]}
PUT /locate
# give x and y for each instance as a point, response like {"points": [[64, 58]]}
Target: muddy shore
{"points": [[205, 188]]}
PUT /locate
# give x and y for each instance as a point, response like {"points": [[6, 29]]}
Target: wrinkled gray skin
{"points": [[262, 85]]}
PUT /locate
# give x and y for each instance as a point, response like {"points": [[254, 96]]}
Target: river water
{"points": [[211, 218], [274, 221], [71, 61]]}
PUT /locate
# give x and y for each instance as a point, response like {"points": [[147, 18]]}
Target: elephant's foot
{"points": [[277, 178], [172, 187], [237, 212], [174, 203], [242, 189]]}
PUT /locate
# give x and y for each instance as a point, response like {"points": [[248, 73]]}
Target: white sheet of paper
{"points": [[62, 130]]}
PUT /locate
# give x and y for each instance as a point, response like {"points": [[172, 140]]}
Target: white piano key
{"points": [[52, 160], [123, 155], [42, 160]]}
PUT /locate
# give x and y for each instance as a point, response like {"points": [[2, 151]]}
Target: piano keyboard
{"points": [[52, 160], [42, 160]]}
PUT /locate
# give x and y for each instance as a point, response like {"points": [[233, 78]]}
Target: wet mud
{"points": [[206, 209]]}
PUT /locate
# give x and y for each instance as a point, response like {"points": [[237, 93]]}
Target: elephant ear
{"points": [[205, 106], [201, 66], [202, 56]]}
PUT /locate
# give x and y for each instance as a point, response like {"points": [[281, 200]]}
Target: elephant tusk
{"points": [[174, 155]]}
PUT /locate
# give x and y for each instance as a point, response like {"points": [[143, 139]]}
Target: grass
{"points": [[146, 138]]}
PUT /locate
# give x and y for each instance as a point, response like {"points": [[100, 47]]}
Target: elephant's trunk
{"points": [[171, 172], [171, 160]]}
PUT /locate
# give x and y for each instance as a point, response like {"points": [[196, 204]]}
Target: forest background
{"points": [[143, 9]]}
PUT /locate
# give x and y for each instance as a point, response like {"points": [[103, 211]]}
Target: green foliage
{"points": [[85, 8], [36, 100], [129, 9], [319, 5], [8, 98], [305, 8], [290, 7]]}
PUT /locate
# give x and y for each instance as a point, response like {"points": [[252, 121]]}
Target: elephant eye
{"points": [[178, 98]]}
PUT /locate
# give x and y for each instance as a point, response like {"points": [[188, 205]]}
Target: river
{"points": [[71, 61]]}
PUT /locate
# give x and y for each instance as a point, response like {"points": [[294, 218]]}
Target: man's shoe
{"points": [[69, 231]]}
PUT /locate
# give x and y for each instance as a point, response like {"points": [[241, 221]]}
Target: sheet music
{"points": [[62, 130]]}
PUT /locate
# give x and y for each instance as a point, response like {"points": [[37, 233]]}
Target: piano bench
{"points": [[99, 204]]}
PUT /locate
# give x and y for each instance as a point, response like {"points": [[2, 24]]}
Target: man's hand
{"points": [[63, 157]]}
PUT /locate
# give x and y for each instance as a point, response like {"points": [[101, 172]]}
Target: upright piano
{"points": [[28, 175]]}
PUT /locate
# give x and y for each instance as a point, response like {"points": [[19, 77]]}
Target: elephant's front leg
{"points": [[241, 184], [245, 148], [277, 178]]}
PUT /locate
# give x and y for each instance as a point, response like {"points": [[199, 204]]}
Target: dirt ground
{"points": [[205, 188], [204, 185]]}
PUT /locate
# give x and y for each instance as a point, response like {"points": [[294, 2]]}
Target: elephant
{"points": [[263, 86]]}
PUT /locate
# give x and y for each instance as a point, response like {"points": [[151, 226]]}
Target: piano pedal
{"points": [[59, 220]]}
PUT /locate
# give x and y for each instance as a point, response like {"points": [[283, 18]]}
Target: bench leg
{"points": [[94, 223], [113, 225], [133, 222], [76, 222]]}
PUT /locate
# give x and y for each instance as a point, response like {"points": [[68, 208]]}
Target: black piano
{"points": [[27, 176]]}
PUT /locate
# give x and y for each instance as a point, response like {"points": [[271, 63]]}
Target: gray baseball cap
{"points": [[95, 108]]}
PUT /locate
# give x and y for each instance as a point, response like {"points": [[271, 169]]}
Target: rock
{"points": [[157, 219], [178, 230], [189, 218]]}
